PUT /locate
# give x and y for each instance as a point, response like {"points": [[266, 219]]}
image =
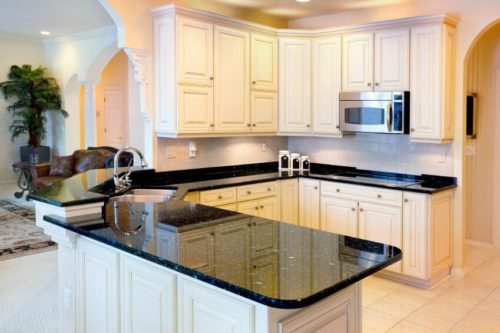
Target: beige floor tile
{"points": [[375, 321], [409, 327], [371, 295], [399, 304], [432, 320], [477, 321]]}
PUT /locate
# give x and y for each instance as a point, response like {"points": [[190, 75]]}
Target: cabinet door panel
{"points": [[97, 288], [195, 109], [270, 208], [264, 276], [357, 62], [249, 207], [195, 52], [309, 203], [232, 90], [148, 298], [327, 83], [264, 111], [339, 216], [264, 62], [392, 60], [264, 237], [295, 85], [196, 250], [290, 201], [415, 230], [383, 224]]}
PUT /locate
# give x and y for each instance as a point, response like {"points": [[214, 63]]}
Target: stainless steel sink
{"points": [[145, 195]]}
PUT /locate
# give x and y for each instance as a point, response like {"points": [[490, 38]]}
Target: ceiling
{"points": [[26, 18], [292, 9]]}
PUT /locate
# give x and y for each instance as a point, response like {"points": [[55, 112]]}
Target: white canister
{"points": [[305, 164], [284, 161], [295, 161]]}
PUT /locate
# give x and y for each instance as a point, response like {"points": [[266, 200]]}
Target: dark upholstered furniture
{"points": [[83, 160]]}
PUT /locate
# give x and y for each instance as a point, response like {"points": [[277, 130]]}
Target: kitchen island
{"points": [[178, 266]]}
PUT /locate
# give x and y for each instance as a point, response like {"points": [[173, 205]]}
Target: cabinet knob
{"points": [[406, 200], [361, 210], [253, 82], [308, 125], [211, 78], [337, 190], [254, 266], [377, 84], [249, 192], [211, 125], [269, 189], [212, 234], [379, 196], [315, 187], [412, 130], [338, 127], [249, 125], [369, 84], [257, 208], [254, 125], [261, 207], [255, 223], [220, 197], [249, 224], [353, 209]]}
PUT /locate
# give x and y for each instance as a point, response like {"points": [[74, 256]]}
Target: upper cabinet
{"points": [[295, 85], [432, 83], [377, 61], [214, 75]]}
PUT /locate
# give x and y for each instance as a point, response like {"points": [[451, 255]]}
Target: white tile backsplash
{"points": [[381, 152]]}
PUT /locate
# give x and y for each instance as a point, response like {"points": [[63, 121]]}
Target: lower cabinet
{"points": [[309, 197], [147, 298], [97, 288], [265, 275], [268, 208], [339, 216], [290, 201], [196, 249]]}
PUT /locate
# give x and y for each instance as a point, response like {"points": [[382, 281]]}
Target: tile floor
{"points": [[28, 287]]}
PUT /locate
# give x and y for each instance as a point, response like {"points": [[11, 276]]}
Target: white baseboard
{"points": [[478, 243]]}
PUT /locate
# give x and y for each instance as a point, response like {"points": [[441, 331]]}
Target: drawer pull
{"points": [[406, 200], [379, 196], [220, 197], [353, 209], [249, 192], [361, 210], [269, 189], [257, 208], [337, 190], [212, 234], [254, 266], [255, 223], [261, 207], [249, 224], [315, 187]]}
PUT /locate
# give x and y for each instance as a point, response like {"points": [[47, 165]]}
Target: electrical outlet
{"points": [[442, 155], [193, 149], [171, 152], [264, 146]]}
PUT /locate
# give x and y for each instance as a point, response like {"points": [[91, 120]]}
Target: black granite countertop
{"points": [[97, 185], [270, 262]]}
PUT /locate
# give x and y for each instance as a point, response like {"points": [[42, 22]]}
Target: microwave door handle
{"points": [[388, 115]]}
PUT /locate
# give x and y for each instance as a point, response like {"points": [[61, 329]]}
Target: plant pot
{"points": [[31, 154]]}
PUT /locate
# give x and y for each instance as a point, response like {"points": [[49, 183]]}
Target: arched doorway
{"points": [[482, 152]]}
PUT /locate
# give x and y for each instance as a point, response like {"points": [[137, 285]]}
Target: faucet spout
{"points": [[122, 183]]}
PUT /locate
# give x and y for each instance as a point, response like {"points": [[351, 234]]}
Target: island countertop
{"points": [[303, 265]]}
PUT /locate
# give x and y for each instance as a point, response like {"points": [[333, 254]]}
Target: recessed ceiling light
{"points": [[302, 0], [45, 33]]}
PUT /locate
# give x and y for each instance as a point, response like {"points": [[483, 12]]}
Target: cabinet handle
{"points": [[253, 82], [338, 127], [254, 266], [361, 210], [337, 190], [308, 125], [257, 208], [406, 200], [412, 130], [261, 207], [269, 189], [353, 209], [377, 84], [212, 234], [255, 223], [211, 78], [254, 125], [249, 125], [379, 196], [249, 224], [369, 84], [315, 187], [220, 197], [249, 192], [211, 125]]}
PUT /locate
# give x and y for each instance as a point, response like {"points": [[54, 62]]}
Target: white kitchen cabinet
{"points": [[415, 230], [97, 288], [206, 310], [357, 62], [326, 83], [195, 51], [196, 113], [232, 74], [295, 85], [264, 67], [196, 249], [148, 297], [264, 111], [383, 224], [264, 237], [268, 208], [232, 244], [290, 201], [432, 83], [309, 203], [339, 216], [392, 60]]}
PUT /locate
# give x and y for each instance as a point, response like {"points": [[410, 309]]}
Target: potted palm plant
{"points": [[33, 95]]}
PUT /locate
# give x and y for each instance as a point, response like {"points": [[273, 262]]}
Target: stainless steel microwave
{"points": [[375, 112]]}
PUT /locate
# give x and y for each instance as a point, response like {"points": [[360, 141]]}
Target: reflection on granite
{"points": [[274, 263], [97, 185]]}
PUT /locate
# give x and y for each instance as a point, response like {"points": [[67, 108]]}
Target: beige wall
{"points": [[484, 61], [217, 152], [115, 75], [13, 52]]}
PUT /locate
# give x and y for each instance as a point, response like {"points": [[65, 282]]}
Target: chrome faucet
{"points": [[122, 183]]}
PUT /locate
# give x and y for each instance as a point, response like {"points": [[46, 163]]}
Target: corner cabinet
{"points": [[214, 75], [432, 83]]}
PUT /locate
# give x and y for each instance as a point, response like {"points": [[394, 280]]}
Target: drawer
{"points": [[362, 193], [219, 197], [256, 191], [231, 207]]}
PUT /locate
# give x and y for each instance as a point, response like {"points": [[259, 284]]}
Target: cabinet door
{"points": [[339, 216], [392, 60], [207, 310], [264, 62], [426, 107], [195, 52], [309, 203], [249, 207], [357, 62], [295, 85], [264, 237], [232, 73], [415, 231], [290, 201], [270, 208], [148, 298], [383, 224], [196, 250], [264, 275], [264, 111], [232, 247], [327, 82], [196, 112], [97, 305]]}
